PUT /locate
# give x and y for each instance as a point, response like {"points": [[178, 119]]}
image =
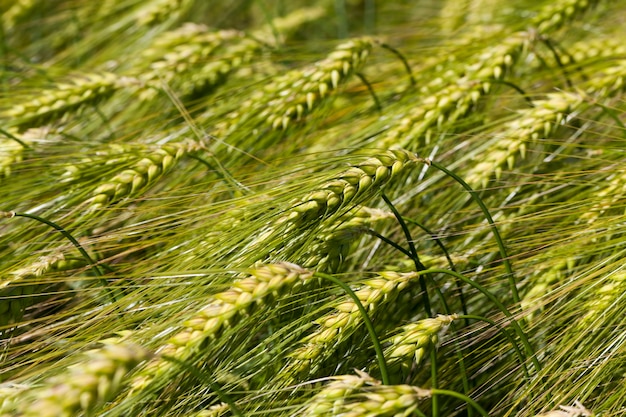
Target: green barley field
{"points": [[313, 208]]}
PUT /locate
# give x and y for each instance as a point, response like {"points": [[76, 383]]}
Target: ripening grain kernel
{"points": [[224, 309], [86, 386]]}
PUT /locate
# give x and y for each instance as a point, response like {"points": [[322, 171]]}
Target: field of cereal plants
{"points": [[323, 208]]}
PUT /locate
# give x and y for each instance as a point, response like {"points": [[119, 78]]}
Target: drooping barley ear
{"points": [[62, 100], [110, 154], [187, 59], [577, 410], [291, 96], [327, 252], [542, 120], [158, 11], [360, 396], [456, 99], [336, 327], [414, 340], [140, 175], [593, 49], [20, 289], [86, 386], [351, 187], [226, 309], [557, 13]]}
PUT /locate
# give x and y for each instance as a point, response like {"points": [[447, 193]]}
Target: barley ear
{"points": [[87, 385]]}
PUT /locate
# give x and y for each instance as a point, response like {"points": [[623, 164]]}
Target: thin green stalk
{"points": [[368, 323], [503, 253], [202, 376], [389, 242], [460, 397], [418, 264], [434, 382], [407, 67], [557, 58], [222, 172], [74, 242], [439, 243], [379, 107], [466, 385], [15, 138]]}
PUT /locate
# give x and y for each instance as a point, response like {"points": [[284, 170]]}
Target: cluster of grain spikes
{"points": [[59, 102], [560, 12], [542, 121], [84, 387], [376, 295], [362, 396], [192, 59], [454, 101], [224, 310], [291, 96]]}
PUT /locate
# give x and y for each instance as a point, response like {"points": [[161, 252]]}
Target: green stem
{"points": [[460, 397], [516, 88], [389, 242], [202, 376], [434, 382], [74, 242], [503, 253], [15, 138], [368, 323], [557, 58], [418, 265], [448, 258], [379, 107], [403, 59], [371, 90]]}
